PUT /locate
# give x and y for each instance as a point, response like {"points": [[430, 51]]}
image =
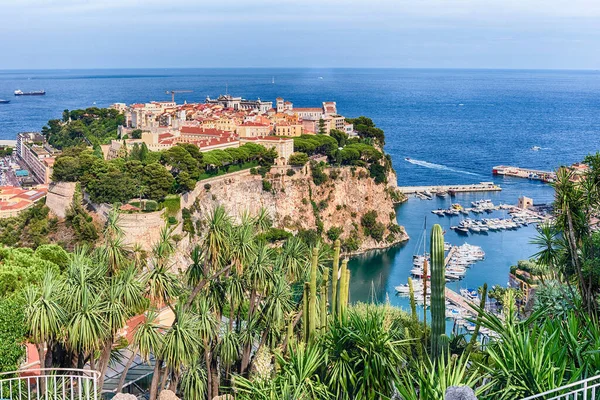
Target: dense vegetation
{"points": [[151, 175], [265, 322], [92, 126], [341, 150], [262, 314]]}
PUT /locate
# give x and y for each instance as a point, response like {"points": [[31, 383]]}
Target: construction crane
{"points": [[177, 91]]}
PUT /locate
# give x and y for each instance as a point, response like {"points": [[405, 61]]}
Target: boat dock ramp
{"points": [[450, 189], [527, 173]]}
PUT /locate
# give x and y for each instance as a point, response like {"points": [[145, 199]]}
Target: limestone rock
{"points": [[459, 393], [295, 200], [167, 395], [124, 396]]}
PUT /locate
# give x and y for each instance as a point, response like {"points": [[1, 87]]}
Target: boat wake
{"points": [[439, 166]]}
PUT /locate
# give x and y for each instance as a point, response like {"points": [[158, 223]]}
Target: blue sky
{"points": [[290, 33]]}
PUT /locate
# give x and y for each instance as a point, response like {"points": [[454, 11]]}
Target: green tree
{"points": [[298, 159]]}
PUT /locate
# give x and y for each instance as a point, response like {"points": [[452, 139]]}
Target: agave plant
{"points": [[429, 380]]}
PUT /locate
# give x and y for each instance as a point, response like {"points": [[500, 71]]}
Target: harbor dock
{"points": [[527, 173], [452, 189], [460, 301]]}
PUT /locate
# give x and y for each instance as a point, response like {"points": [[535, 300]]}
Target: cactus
{"points": [[345, 292], [342, 290], [438, 288], [305, 311], [478, 324], [324, 290], [312, 302], [334, 276]]}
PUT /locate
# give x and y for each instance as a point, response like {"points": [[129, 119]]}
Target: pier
{"points": [[460, 301], [452, 189], [527, 173]]}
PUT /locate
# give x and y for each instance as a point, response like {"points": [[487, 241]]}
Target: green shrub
{"points": [[394, 228], [318, 176], [207, 186], [150, 205], [172, 220], [309, 237], [266, 185], [334, 233], [290, 172], [378, 173], [172, 203], [298, 159], [275, 235], [253, 171], [352, 243], [263, 171], [377, 231], [322, 205]]}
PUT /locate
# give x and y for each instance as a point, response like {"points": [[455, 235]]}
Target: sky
{"points": [[71, 34]]}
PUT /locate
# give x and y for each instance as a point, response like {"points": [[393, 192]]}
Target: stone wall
{"points": [[60, 197]]}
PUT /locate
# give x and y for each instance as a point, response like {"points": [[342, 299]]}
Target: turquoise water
{"points": [[457, 124], [375, 274]]}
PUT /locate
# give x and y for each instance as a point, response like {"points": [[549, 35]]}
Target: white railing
{"points": [[49, 384], [581, 390]]}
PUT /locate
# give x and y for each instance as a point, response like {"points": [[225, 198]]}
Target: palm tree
{"points": [[146, 340], [113, 249], [124, 298], [263, 220], [293, 258], [547, 240], [215, 246], [257, 275], [44, 313]]}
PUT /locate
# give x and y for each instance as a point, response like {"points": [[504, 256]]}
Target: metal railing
{"points": [[49, 384], [587, 389]]}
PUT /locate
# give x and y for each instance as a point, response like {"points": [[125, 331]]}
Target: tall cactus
{"points": [[305, 311], [342, 289], [312, 303], [324, 290], [334, 276], [438, 288], [478, 324]]}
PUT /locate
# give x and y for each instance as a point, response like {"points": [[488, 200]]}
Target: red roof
{"points": [[250, 123]]}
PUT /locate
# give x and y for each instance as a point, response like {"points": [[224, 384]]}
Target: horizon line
{"points": [[308, 68]]}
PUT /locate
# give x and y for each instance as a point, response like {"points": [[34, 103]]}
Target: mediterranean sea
{"points": [[454, 125]]}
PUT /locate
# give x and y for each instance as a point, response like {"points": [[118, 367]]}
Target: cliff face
{"points": [[295, 202]]}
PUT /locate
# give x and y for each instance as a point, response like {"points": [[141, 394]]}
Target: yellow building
{"points": [[287, 129], [253, 129]]}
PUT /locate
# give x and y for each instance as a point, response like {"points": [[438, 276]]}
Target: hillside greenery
{"points": [[151, 175], [92, 126]]}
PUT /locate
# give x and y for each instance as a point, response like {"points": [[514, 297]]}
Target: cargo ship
{"points": [[33, 93]]}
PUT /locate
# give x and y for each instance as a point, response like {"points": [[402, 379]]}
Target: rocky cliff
{"points": [[295, 202]]}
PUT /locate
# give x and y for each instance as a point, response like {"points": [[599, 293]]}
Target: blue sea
{"points": [[454, 125]]}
